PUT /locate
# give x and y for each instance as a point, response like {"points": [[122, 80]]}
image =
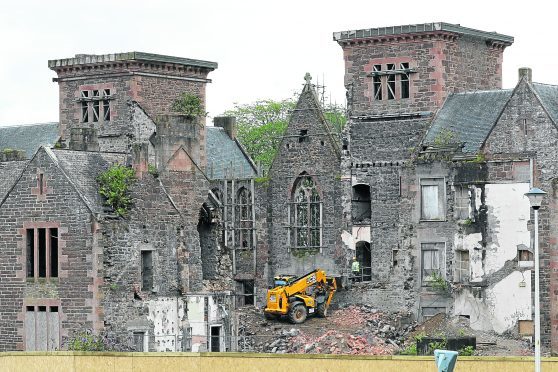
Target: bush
{"points": [[189, 105], [87, 341], [114, 184]]}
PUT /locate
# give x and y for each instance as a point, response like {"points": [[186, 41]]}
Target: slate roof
{"points": [[82, 169], [225, 155], [28, 137], [9, 172], [469, 116], [549, 98]]}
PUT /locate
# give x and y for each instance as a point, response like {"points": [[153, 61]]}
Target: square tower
{"points": [[97, 92], [412, 68]]}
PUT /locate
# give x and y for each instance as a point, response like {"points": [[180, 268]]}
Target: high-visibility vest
{"points": [[355, 267]]}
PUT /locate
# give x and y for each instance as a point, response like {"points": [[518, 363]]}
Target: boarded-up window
{"points": [[461, 267], [139, 341], [146, 270], [462, 202], [430, 261], [42, 328], [525, 327], [432, 198]]}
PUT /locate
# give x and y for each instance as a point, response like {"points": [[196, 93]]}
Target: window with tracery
{"points": [[307, 214], [244, 219]]}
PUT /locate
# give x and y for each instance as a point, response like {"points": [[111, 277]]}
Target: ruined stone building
{"points": [[158, 279], [424, 187]]}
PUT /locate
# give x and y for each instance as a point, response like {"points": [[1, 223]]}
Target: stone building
{"points": [[157, 279], [424, 187]]}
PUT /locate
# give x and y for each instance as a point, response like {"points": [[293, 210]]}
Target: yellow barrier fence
{"points": [[64, 361]]}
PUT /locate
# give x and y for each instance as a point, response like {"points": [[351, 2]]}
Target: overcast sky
{"points": [[263, 48]]}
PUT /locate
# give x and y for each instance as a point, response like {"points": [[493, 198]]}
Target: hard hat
{"points": [[354, 258]]}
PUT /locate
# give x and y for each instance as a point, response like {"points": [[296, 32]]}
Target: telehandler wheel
{"points": [[322, 310], [269, 316], [298, 313]]}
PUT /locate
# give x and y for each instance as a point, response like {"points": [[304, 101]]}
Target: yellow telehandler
{"points": [[299, 297]]}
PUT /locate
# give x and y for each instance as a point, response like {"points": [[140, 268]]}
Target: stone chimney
{"points": [[228, 123], [140, 158], [179, 141], [527, 73]]}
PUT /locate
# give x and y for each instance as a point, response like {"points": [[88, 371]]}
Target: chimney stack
{"points": [[527, 73], [228, 123]]}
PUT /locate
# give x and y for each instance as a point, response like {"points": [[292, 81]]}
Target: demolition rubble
{"points": [[362, 330]]}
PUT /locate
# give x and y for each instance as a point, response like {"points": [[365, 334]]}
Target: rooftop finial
{"points": [[307, 77]]}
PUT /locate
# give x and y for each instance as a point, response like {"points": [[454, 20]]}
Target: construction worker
{"points": [[355, 268]]}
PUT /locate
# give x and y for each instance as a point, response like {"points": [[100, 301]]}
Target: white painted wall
{"points": [[166, 314], [506, 301]]}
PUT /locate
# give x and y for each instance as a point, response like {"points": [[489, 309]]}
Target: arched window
{"points": [[244, 219], [307, 214]]}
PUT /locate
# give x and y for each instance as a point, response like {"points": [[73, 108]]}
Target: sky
{"points": [[263, 48]]}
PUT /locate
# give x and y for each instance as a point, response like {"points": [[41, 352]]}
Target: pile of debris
{"points": [[359, 330]]}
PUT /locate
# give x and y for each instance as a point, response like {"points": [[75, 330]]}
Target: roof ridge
{"points": [[27, 124], [545, 84]]}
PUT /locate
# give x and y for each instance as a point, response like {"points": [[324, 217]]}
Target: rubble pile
{"points": [[353, 330]]}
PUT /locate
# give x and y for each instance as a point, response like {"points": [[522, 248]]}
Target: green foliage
{"points": [[466, 351], [442, 344], [479, 158], [261, 126], [8, 151], [152, 170], [461, 332], [87, 341], [188, 104], [114, 184], [444, 138], [262, 180], [410, 350], [467, 222], [438, 283], [420, 336]]}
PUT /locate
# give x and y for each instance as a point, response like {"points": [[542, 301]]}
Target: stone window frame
{"points": [[49, 305], [244, 219], [314, 231], [94, 102], [41, 190], [462, 201], [359, 197], [139, 330], [440, 182], [48, 255], [437, 246], [391, 79], [148, 248]]}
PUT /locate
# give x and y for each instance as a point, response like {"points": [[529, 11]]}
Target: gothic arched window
{"points": [[307, 214], [244, 219]]}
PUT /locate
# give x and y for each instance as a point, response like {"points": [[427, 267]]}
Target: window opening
{"points": [[462, 202], [215, 338], [244, 219], [303, 136], [391, 81], [432, 199], [42, 252], [84, 106], [462, 266], [377, 83], [431, 261], [106, 105], [307, 214], [146, 270], [41, 184], [405, 87], [188, 339], [364, 258], [96, 106], [429, 312], [245, 292], [361, 208]]}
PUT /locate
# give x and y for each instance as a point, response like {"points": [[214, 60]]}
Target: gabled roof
{"points": [[28, 137], [9, 173], [468, 117], [225, 156], [82, 168], [548, 95]]}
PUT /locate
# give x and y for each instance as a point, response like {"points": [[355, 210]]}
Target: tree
{"points": [[261, 126]]}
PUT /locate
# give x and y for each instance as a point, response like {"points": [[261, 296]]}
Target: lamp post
{"points": [[535, 196]]}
